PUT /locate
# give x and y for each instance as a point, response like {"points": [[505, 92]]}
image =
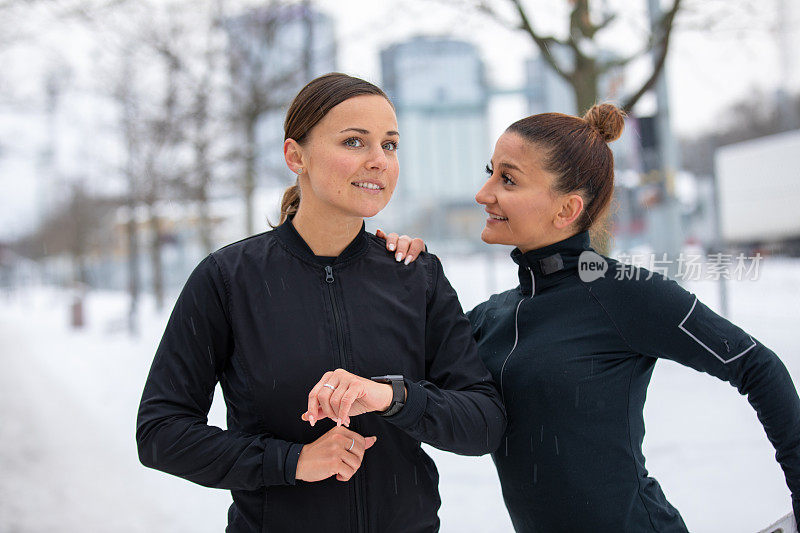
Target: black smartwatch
{"points": [[398, 392]]}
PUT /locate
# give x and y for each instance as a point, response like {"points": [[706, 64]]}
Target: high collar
{"points": [[550, 263], [288, 234]]}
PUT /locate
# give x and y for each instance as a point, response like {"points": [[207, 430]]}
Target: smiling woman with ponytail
{"points": [[573, 353], [332, 373]]}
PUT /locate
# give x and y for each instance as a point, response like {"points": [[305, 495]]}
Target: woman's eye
{"points": [[391, 146], [354, 142], [503, 177]]}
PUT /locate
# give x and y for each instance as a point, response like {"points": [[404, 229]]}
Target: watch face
{"points": [[388, 378]]}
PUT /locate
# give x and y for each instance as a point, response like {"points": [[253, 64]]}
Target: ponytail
{"points": [[289, 204]]}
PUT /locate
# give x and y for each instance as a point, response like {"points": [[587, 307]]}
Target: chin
{"points": [[369, 214], [375, 209], [370, 211], [490, 237]]}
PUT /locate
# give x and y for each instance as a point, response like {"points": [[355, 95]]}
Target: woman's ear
{"points": [[571, 209], [293, 154]]}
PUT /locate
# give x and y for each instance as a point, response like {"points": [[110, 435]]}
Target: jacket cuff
{"points": [[279, 464], [290, 466], [416, 402]]}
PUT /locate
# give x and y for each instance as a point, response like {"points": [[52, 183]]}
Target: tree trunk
{"points": [[204, 177], [585, 85], [80, 215], [204, 219], [249, 185], [155, 257], [134, 281], [79, 269]]}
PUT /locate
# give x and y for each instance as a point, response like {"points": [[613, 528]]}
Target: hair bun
{"points": [[607, 119]]}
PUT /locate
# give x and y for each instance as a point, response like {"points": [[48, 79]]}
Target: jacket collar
{"points": [[550, 263], [287, 233]]}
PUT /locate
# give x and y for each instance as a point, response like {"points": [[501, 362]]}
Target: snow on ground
{"points": [[68, 406]]}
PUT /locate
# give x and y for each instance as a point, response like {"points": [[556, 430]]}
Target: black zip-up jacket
{"points": [[267, 318], [573, 360]]}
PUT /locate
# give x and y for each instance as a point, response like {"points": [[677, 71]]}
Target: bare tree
{"points": [[201, 148], [162, 123], [263, 79], [584, 67], [167, 131], [152, 130], [74, 228], [206, 118], [127, 103]]}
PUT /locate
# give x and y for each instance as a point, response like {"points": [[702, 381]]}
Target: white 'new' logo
{"points": [[591, 266]]}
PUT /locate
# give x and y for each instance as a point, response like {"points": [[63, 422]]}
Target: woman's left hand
{"points": [[340, 395], [404, 246]]}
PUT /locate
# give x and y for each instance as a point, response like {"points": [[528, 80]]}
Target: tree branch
{"points": [[576, 21], [665, 29], [605, 66], [581, 27], [544, 42], [603, 25]]}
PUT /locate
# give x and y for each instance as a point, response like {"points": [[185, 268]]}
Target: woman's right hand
{"points": [[403, 246], [339, 451]]}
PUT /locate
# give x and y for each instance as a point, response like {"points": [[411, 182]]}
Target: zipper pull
{"points": [[329, 274]]}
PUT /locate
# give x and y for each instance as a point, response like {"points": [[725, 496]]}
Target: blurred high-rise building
{"points": [[439, 90]]}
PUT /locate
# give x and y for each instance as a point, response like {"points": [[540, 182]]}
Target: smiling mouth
{"points": [[497, 217], [367, 185]]}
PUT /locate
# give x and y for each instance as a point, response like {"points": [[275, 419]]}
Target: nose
{"points": [[377, 159], [485, 196]]}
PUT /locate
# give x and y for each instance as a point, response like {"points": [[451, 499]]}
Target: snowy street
{"points": [[68, 405]]}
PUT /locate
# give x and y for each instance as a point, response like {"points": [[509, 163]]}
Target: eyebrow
{"points": [[509, 165], [366, 132]]}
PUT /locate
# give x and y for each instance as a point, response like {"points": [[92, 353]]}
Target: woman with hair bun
{"points": [[335, 362], [573, 346]]}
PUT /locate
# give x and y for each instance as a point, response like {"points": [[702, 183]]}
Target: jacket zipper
{"points": [[339, 337], [516, 330], [359, 490]]}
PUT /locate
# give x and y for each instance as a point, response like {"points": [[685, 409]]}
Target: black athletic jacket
{"points": [[266, 318], [573, 360]]}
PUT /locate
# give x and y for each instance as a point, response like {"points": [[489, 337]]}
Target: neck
{"points": [[547, 241], [327, 234]]}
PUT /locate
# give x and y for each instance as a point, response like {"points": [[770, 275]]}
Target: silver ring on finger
{"points": [[351, 444], [331, 387]]}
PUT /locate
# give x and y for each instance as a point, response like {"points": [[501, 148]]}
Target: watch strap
{"points": [[398, 392]]}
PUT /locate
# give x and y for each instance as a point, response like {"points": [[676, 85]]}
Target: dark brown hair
{"points": [[311, 104], [578, 154]]}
